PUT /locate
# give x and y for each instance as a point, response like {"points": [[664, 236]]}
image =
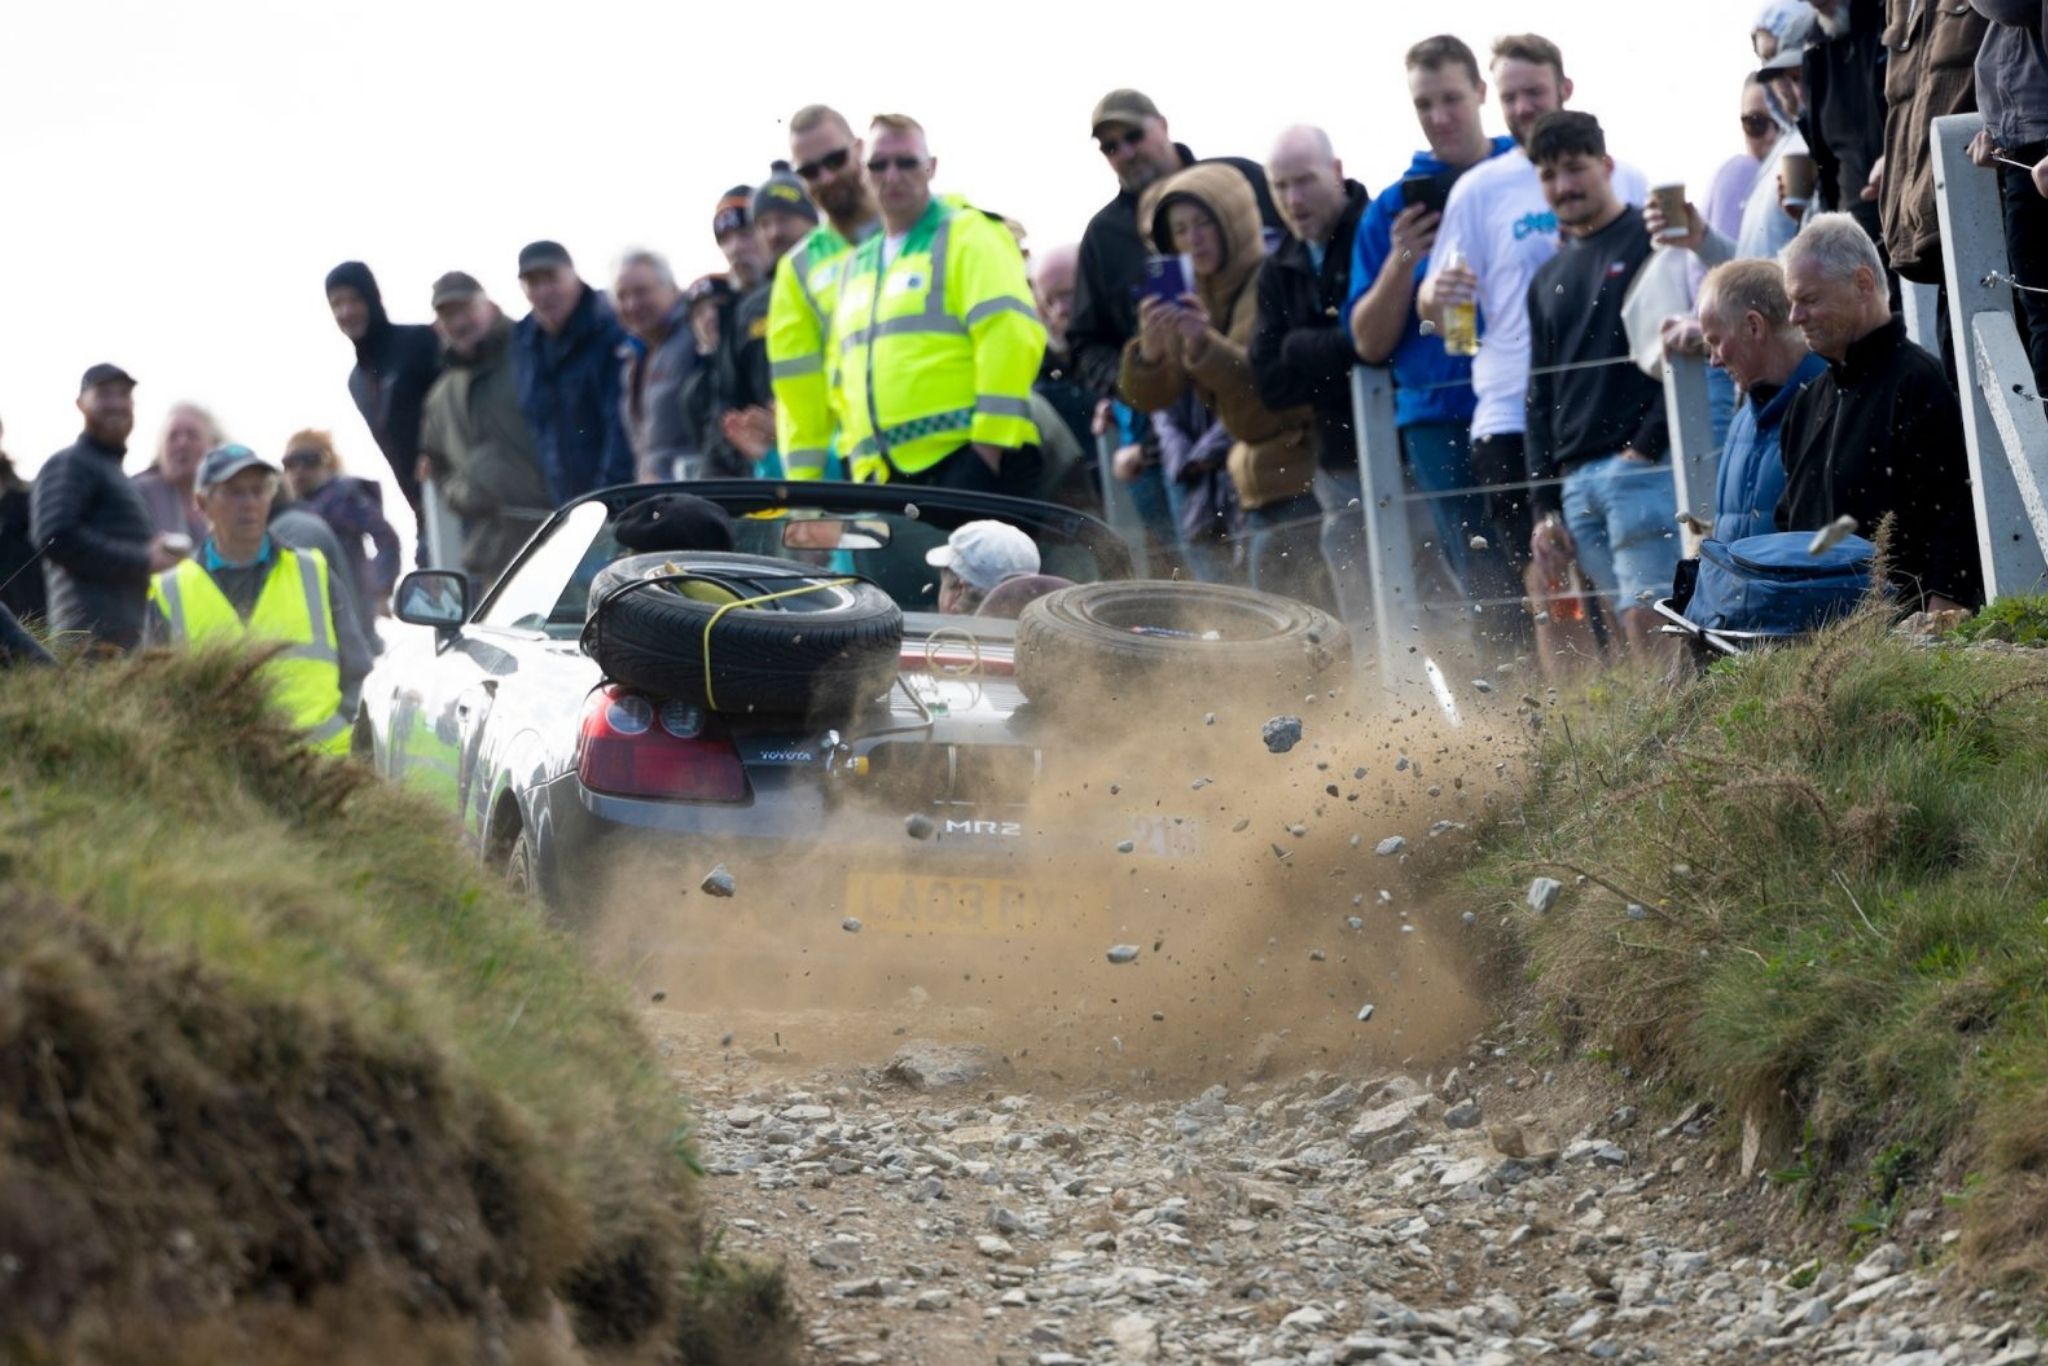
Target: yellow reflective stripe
{"points": [[996, 405], [988, 308], [795, 366]]}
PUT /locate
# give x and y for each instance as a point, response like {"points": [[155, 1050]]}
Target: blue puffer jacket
{"points": [[1752, 464], [569, 392]]}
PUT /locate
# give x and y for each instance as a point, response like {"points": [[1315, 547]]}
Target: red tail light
{"points": [[631, 746]]}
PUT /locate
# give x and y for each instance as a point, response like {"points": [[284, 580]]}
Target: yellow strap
{"points": [[710, 700]]}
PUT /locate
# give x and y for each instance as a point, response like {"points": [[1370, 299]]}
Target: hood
{"points": [[1791, 20], [1228, 196], [355, 275]]}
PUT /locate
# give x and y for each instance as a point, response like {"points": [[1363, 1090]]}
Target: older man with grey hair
{"points": [[1879, 433], [655, 363]]}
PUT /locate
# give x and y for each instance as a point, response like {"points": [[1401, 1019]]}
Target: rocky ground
{"points": [[934, 1208]]}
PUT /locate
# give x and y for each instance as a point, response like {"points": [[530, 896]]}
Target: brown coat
{"points": [[1274, 457], [1930, 70]]}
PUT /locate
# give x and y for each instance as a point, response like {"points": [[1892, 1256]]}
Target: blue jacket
{"points": [[569, 392], [1752, 475], [1418, 362]]}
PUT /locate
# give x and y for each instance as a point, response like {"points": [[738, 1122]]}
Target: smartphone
{"points": [[1430, 191], [1167, 278]]}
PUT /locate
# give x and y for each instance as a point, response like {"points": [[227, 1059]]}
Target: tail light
{"points": [[631, 746]]}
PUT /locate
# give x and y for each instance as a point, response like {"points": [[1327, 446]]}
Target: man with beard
{"points": [[1601, 426], [830, 160], [1500, 230], [395, 366], [475, 441], [100, 546]]}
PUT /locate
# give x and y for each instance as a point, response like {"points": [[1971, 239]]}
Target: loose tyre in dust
{"points": [[819, 642], [1128, 640]]}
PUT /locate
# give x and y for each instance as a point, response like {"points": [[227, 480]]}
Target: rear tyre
{"points": [[522, 878], [1126, 640], [832, 646]]}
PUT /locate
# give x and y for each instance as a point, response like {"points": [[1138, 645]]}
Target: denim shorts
{"points": [[1622, 513]]}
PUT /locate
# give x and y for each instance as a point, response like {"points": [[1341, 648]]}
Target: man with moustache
{"points": [[829, 160], [100, 546]]}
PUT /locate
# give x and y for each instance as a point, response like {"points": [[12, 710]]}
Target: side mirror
{"points": [[432, 597]]}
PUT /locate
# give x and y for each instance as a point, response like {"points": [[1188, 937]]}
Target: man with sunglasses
{"points": [[935, 340], [828, 159]]}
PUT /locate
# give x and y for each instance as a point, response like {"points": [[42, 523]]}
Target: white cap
{"points": [[983, 554]]}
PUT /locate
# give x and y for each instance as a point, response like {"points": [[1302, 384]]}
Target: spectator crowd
{"points": [[1190, 357]]}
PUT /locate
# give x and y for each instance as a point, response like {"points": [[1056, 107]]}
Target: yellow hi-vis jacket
{"points": [[799, 314], [938, 350], [293, 610]]}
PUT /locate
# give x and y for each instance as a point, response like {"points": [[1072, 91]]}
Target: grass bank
{"points": [[1813, 886], [282, 1077]]}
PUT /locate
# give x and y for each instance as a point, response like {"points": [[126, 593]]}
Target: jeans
{"points": [[1619, 511], [1440, 459], [1159, 500], [1286, 550]]}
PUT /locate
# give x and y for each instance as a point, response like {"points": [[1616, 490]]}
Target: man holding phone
{"points": [[1433, 399]]}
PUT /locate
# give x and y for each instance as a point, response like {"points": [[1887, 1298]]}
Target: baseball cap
{"points": [[1130, 107], [456, 284], [983, 554], [105, 373], [543, 255], [731, 213], [782, 192], [223, 463], [709, 287]]}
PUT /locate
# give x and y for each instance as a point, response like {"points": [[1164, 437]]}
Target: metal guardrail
{"points": [[440, 528], [1120, 510], [2002, 417]]}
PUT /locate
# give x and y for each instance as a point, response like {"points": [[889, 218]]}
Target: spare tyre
{"points": [[742, 633], [1130, 639]]}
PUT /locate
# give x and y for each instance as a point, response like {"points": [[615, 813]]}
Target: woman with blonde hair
{"points": [[167, 485], [353, 507]]}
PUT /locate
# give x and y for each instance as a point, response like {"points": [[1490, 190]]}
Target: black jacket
{"points": [[1575, 316], [98, 530], [21, 576], [1112, 265], [1881, 432], [733, 377], [395, 366], [1844, 118], [1302, 352]]}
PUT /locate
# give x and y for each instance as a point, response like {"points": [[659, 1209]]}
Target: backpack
{"points": [[1770, 585]]}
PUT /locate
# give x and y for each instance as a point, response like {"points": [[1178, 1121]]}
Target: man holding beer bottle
{"points": [[1433, 399], [1498, 221]]}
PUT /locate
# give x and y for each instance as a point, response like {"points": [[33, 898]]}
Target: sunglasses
{"points": [[877, 165], [831, 161], [299, 460], [1115, 141], [1756, 125]]}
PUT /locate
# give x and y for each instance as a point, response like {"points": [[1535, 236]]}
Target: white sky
{"points": [[176, 178]]}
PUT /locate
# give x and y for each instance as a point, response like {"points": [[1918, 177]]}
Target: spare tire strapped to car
{"points": [[1134, 630], [774, 661]]}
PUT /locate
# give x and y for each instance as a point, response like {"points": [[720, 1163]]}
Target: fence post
{"points": [[440, 528], [1695, 460], [2010, 531], [1119, 509], [1920, 305], [1389, 550]]}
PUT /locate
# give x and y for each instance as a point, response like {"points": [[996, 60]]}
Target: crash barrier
{"points": [[1384, 499], [1119, 505], [440, 529], [2003, 420]]}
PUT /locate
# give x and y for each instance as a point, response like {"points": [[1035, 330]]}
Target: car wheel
{"points": [[522, 878], [671, 626], [1123, 640]]}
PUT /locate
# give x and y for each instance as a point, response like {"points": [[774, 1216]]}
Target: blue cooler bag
{"points": [[1770, 585]]}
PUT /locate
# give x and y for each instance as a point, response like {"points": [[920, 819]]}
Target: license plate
{"points": [[949, 905]]}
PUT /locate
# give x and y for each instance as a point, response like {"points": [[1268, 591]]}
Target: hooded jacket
{"points": [[569, 391], [1301, 349], [1930, 70], [1274, 457], [395, 366], [482, 452], [1843, 122]]}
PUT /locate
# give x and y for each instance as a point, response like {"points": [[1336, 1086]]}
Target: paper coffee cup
{"points": [[1799, 172], [1670, 199]]}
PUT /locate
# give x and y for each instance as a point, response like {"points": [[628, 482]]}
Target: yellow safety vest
{"points": [[293, 610], [941, 348], [799, 313]]}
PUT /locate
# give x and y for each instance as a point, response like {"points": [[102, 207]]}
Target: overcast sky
{"points": [[177, 178]]}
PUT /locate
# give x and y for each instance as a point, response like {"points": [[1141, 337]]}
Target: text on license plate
{"points": [[949, 905]]}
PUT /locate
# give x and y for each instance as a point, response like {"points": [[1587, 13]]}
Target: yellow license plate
{"points": [[948, 905]]}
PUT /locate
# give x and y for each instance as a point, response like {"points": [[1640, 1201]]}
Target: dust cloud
{"points": [[1250, 882]]}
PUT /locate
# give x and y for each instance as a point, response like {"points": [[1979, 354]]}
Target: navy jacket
{"points": [[395, 366], [569, 392], [1752, 477]]}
